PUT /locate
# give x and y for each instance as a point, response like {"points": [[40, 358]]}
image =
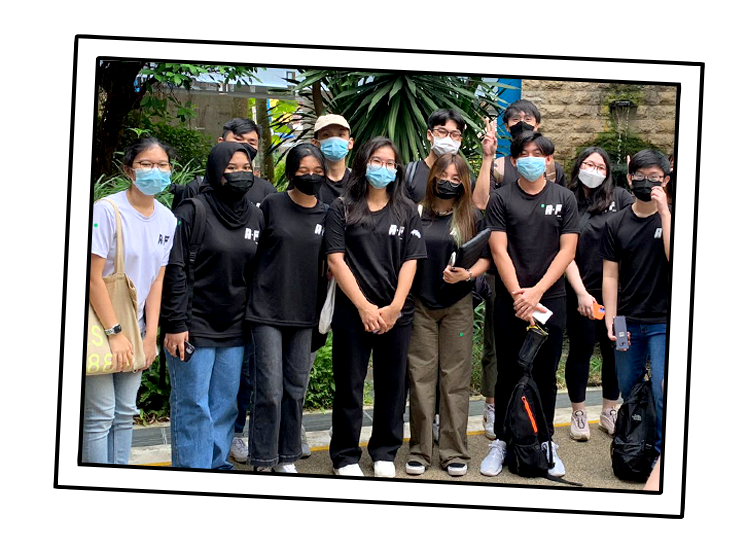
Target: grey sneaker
{"points": [[306, 452], [492, 464], [607, 420], [238, 450], [579, 426], [489, 421]]}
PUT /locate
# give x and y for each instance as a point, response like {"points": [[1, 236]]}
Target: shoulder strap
{"points": [[120, 247], [411, 169], [584, 219], [197, 233]]}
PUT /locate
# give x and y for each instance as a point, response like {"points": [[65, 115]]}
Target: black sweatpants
{"points": [[352, 346], [510, 333], [583, 334]]}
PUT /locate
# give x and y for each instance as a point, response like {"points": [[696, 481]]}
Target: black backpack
{"points": [[525, 427], [633, 448], [184, 192]]}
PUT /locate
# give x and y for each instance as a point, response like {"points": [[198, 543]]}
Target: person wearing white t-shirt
{"points": [[148, 229]]}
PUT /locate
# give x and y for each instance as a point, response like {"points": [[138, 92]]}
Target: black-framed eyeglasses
{"points": [[442, 132], [588, 165]]}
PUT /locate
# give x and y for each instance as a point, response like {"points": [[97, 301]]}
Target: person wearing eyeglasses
{"points": [[441, 338], [148, 229], [210, 315], [636, 276], [373, 240], [598, 200]]}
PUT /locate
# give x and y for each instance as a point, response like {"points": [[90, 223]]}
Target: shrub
{"points": [[321, 387]]}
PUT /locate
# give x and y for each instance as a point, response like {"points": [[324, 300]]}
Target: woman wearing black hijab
{"points": [[209, 316]]}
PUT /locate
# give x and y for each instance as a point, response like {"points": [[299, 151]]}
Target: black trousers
{"points": [[510, 333], [351, 351], [583, 334]]}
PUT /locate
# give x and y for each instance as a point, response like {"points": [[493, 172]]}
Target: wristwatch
{"points": [[117, 329], [471, 277]]}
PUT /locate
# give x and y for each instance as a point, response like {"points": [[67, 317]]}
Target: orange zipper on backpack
{"points": [[528, 411]]}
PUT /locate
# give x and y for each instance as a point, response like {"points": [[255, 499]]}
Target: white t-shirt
{"points": [[147, 240]]}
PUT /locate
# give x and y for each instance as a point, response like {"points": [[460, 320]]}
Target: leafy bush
{"points": [[321, 387]]}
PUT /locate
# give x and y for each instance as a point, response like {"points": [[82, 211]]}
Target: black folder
{"points": [[470, 252]]}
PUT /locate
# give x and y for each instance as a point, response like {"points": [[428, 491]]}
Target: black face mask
{"points": [[519, 128], [237, 184], [642, 190], [445, 190], [308, 184]]}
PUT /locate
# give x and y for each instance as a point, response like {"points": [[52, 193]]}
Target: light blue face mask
{"points": [[379, 178], [334, 148], [531, 168], [153, 181]]}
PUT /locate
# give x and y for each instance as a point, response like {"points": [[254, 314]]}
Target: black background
{"points": [[677, 50]]}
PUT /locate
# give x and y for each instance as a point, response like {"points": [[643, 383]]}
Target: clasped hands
{"points": [[526, 302], [378, 320]]}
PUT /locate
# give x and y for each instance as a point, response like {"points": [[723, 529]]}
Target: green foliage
{"points": [[153, 397], [321, 387], [191, 145]]}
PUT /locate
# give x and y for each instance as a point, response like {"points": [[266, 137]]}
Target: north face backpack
{"points": [[525, 427], [633, 448]]}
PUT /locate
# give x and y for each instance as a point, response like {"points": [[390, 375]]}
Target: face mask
{"points": [[443, 146], [531, 168], [379, 178], [334, 148], [592, 180], [520, 128], [642, 190], [308, 184], [446, 190], [237, 184], [151, 182]]}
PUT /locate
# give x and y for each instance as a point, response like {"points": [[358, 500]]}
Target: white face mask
{"points": [[592, 180], [443, 146]]}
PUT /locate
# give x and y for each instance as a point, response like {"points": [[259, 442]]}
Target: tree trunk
{"points": [[317, 94], [266, 161]]}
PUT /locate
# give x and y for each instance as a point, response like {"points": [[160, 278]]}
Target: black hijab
{"points": [[233, 213]]}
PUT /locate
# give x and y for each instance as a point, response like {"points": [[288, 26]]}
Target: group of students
{"points": [[238, 275]]}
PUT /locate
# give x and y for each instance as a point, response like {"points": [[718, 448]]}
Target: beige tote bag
{"points": [[122, 293]]}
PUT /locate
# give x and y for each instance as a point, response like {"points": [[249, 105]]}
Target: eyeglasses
{"points": [[379, 163], [653, 179], [442, 132], [601, 168], [528, 119], [148, 165]]}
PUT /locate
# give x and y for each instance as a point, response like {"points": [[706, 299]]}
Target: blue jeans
{"points": [[647, 343], [203, 406], [108, 410], [281, 370]]}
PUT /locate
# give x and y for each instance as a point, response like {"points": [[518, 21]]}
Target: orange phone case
{"points": [[598, 311]]}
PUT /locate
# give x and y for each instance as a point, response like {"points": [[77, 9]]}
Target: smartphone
{"points": [[621, 333], [189, 350], [542, 317], [598, 311]]}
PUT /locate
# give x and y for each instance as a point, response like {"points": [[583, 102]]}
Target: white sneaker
{"points": [[579, 426], [558, 468], [414, 468], [352, 470], [238, 450], [285, 469], [384, 468], [306, 452], [489, 421], [436, 428], [607, 420], [492, 464], [457, 469]]}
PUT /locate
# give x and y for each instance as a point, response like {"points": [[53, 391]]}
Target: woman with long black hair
{"points": [[441, 338], [282, 310], [598, 198], [373, 241], [210, 315]]}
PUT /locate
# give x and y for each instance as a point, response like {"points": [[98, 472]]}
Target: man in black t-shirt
{"points": [[332, 135], [635, 283], [534, 227]]}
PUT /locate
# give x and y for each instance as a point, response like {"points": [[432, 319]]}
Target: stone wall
{"points": [[573, 113], [212, 110]]}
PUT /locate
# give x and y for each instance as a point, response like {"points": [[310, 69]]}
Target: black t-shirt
{"points": [[260, 189], [510, 174], [533, 224], [376, 253], [417, 187], [429, 285], [637, 245], [331, 190], [222, 273], [588, 259], [284, 290]]}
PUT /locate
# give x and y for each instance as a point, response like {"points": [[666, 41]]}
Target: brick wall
{"points": [[574, 112]]}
